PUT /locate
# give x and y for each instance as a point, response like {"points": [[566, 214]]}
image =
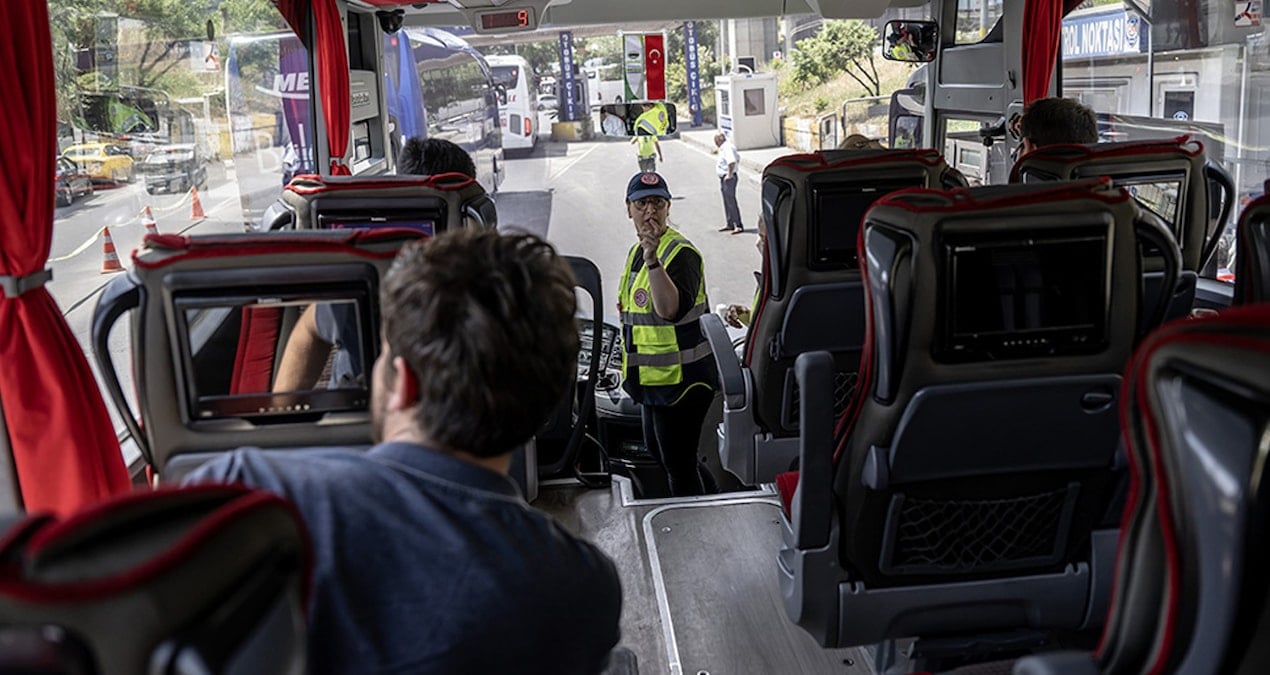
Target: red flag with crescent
{"points": [[655, 66]]}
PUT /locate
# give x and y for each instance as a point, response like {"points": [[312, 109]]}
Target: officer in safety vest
{"points": [[667, 365], [652, 123]]}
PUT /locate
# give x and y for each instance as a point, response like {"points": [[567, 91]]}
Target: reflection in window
{"points": [[975, 19], [755, 104]]}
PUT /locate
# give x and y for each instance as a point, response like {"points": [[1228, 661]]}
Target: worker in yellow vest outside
{"points": [[667, 365], [651, 123]]}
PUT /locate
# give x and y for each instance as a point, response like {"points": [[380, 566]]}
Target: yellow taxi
{"points": [[103, 161]]}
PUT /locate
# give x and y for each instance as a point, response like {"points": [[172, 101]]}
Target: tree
{"points": [[840, 46], [540, 55]]}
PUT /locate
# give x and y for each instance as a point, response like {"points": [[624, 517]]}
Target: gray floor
{"points": [[699, 575]]}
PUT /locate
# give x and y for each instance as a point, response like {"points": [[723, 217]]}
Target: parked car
{"points": [[105, 162], [174, 168], [547, 102], [70, 181]]}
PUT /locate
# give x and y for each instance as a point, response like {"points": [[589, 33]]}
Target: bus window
{"points": [[976, 19], [1176, 71]]}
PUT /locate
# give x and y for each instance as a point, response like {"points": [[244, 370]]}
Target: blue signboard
{"points": [[569, 86], [693, 71], [1104, 34]]}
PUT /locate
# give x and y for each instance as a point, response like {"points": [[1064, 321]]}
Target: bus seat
{"points": [[812, 205], [1252, 253], [211, 319], [1190, 595], [962, 489], [1170, 177], [201, 580], [430, 203]]}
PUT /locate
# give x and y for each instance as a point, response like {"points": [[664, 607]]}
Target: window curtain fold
{"points": [[327, 43], [1043, 20], [64, 448]]}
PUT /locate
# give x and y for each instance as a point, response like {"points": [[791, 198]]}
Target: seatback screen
{"points": [[277, 353], [344, 221], [835, 221], [1017, 297]]}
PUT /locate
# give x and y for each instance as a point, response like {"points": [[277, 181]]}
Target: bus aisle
{"points": [[581, 186]]}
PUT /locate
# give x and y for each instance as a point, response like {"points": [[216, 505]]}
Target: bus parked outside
{"points": [[518, 108]]}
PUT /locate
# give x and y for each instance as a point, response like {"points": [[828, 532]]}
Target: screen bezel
{"points": [[953, 347], [881, 186], [317, 283]]}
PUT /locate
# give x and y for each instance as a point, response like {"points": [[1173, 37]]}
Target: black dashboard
{"points": [[610, 347]]}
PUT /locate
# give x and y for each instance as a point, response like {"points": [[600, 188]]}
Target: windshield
{"points": [[507, 76]]}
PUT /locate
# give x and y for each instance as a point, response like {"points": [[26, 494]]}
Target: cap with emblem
{"points": [[647, 184]]}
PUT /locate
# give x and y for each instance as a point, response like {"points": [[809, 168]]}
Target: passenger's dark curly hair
{"points": [[1049, 121], [486, 323], [428, 157]]}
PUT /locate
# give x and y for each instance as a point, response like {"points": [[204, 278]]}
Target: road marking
{"points": [[570, 164], [92, 239]]}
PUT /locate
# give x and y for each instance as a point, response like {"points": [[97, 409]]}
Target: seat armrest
{"points": [[730, 376], [812, 508]]}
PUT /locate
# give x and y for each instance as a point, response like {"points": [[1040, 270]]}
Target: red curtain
{"points": [[332, 68], [1042, 23], [63, 443]]}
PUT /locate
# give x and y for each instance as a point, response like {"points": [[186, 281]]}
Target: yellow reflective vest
{"points": [[662, 359]]}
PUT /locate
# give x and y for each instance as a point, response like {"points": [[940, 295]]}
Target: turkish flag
{"points": [[655, 66]]}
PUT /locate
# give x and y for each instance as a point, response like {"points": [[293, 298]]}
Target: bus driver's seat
{"points": [[970, 489], [812, 205], [1191, 595], [198, 581], [1170, 177]]}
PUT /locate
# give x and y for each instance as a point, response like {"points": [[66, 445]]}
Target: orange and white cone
{"points": [[110, 259], [147, 220], [196, 212]]}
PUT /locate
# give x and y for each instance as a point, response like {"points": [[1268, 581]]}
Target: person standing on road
{"points": [[726, 169], [648, 149], [667, 365]]}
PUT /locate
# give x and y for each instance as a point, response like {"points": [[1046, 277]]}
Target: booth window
{"points": [[725, 105], [755, 104]]}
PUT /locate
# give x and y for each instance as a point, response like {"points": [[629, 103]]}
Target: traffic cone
{"points": [[110, 259], [196, 212], [147, 220]]}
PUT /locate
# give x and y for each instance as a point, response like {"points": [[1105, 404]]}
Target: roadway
{"points": [[573, 193]]}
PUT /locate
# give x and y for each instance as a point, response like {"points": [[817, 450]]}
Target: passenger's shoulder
{"points": [[272, 469]]}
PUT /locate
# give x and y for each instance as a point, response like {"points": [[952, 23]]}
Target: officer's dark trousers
{"points": [[671, 434], [727, 186]]}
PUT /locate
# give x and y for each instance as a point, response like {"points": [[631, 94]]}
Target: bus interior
{"points": [[993, 413]]}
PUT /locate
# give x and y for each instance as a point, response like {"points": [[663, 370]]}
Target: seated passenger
{"points": [[317, 336], [428, 157], [1051, 121], [426, 557]]}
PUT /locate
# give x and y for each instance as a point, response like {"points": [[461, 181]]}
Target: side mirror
{"points": [[911, 41], [637, 118]]}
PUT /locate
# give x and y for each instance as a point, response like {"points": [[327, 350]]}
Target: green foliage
{"points": [[821, 103], [840, 46], [543, 56]]}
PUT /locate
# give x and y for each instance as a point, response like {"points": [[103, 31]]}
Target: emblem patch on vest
{"points": [[641, 297]]}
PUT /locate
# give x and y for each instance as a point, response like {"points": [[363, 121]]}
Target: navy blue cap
{"points": [[647, 184]]}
